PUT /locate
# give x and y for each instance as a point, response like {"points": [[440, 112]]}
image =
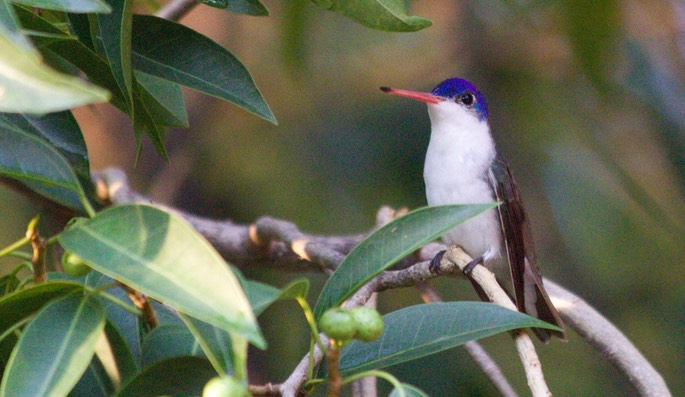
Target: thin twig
{"points": [[608, 340], [176, 9], [524, 345], [143, 303], [475, 350], [38, 256], [268, 389], [234, 242]]}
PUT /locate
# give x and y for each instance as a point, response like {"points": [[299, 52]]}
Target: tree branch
{"points": [[608, 340], [176, 9], [281, 244], [475, 350]]}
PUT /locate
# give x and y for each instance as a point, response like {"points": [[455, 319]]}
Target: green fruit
{"points": [[369, 324], [224, 386], [74, 266], [338, 324]]}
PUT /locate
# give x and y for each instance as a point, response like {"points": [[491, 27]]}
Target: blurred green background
{"points": [[587, 102]]}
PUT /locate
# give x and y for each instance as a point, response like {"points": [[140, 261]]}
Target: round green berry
{"points": [[224, 386], [74, 266], [369, 324], [338, 324]]}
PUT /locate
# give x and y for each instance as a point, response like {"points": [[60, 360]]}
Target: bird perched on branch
{"points": [[463, 167]]}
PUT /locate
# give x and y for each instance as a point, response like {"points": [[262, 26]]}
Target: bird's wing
{"points": [[518, 240]]}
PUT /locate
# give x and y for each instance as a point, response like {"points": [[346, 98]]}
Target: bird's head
{"points": [[450, 95]]}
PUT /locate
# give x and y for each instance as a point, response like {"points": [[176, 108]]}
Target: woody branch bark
{"points": [[279, 246]]}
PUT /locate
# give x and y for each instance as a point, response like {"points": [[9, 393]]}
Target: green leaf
{"points": [[114, 35], [175, 376], [122, 327], [164, 99], [389, 15], [170, 51], [23, 303], [408, 391], [38, 163], [75, 6], [168, 341], [80, 54], [55, 348], [95, 381], [145, 122], [248, 7], [27, 85], [418, 331], [214, 342], [62, 131], [262, 295], [387, 245], [162, 256], [10, 27], [126, 363]]}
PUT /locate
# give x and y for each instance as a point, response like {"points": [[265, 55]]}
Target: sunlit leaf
{"points": [[418, 331], [190, 59], [27, 85], [162, 256], [10, 27], [55, 348], [387, 245], [390, 15], [408, 391], [76, 6], [80, 54]]}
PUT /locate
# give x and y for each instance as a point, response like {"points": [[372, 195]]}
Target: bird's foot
{"points": [[434, 266], [469, 267]]}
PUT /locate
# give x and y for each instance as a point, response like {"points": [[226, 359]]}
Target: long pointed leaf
{"points": [[76, 6], [390, 15], [421, 330], [389, 244], [179, 54], [114, 33], [55, 349], [23, 303], [30, 86], [27, 157], [163, 256]]}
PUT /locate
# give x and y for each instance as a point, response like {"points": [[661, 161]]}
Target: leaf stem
{"points": [[309, 315], [379, 374], [129, 308], [14, 327], [14, 246], [214, 360]]}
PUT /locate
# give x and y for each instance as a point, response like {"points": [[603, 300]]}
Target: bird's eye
{"points": [[467, 99]]}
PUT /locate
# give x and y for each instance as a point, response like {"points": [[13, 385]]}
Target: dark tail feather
{"points": [[547, 312]]}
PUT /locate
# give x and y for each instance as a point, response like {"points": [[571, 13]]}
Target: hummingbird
{"points": [[462, 166]]}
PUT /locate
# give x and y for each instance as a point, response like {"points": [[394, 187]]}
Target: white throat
{"points": [[457, 171], [461, 148]]}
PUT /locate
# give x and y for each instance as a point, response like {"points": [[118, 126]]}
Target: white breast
{"points": [[456, 171]]}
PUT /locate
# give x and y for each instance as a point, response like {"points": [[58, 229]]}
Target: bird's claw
{"points": [[469, 267], [434, 266]]}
